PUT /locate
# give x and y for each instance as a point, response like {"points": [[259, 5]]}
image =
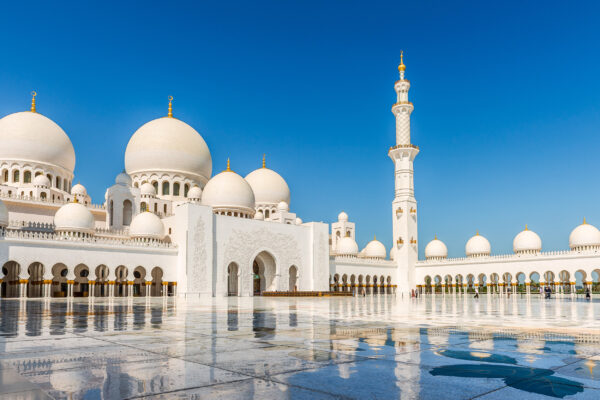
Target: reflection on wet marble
{"points": [[305, 348]]}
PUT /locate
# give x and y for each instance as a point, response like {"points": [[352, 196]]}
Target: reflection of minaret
{"points": [[404, 206], [408, 374]]}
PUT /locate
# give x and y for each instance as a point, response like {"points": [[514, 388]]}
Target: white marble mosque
{"points": [[170, 227]]}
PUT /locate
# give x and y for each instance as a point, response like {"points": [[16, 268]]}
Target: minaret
{"points": [[404, 206]]}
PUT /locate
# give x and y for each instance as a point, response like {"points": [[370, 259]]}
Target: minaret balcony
{"points": [[399, 242], [399, 212]]}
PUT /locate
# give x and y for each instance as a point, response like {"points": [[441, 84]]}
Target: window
{"points": [[5, 176], [176, 189], [165, 209], [155, 184], [186, 189], [43, 195], [155, 208], [15, 176], [110, 213], [143, 207], [127, 212], [38, 173], [57, 182], [27, 177], [165, 188]]}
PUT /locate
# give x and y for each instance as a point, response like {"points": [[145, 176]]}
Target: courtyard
{"points": [[373, 347]]}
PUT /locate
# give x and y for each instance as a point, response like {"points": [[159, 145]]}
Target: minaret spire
{"points": [[401, 67], [33, 94], [170, 112], [264, 163]]}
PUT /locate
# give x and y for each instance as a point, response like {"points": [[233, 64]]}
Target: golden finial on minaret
{"points": [[264, 163], [228, 165], [75, 199], [401, 67], [33, 94], [477, 232], [374, 237], [526, 227], [584, 223], [170, 113], [434, 237]]}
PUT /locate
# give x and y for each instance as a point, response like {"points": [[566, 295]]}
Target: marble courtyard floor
{"points": [[375, 347]]}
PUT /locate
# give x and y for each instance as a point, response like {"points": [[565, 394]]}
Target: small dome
{"points": [[147, 189], [74, 217], [3, 215], [168, 145], [298, 221], [147, 225], [584, 237], [78, 190], [478, 246], [228, 191], [347, 246], [436, 249], [29, 136], [342, 217], [283, 206], [123, 179], [41, 180], [195, 193], [268, 186], [375, 249], [259, 216], [527, 242], [393, 253]]}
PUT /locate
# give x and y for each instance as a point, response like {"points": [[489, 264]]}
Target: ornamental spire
{"points": [[33, 94], [401, 67], [170, 112], [264, 163], [228, 165]]}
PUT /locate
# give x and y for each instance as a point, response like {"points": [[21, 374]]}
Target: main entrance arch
{"points": [[263, 273]]}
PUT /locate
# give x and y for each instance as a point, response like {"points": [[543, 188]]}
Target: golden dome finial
{"points": [[264, 163], [584, 223], [526, 227], [477, 232], [228, 165], [170, 113], [33, 94], [401, 67], [75, 199], [434, 237], [374, 237]]}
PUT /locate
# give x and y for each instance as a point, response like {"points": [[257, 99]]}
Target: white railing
{"points": [[362, 261], [45, 201], [10, 233], [511, 257]]}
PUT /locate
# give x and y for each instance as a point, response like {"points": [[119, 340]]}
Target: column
{"points": [[164, 289], [23, 288], [129, 288], [92, 288], [148, 291]]}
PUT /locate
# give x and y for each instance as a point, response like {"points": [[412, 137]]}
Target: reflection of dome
{"points": [[41, 181], [268, 186], [30, 136], [3, 215], [147, 225], [342, 217], [195, 193], [227, 192], [375, 249], [436, 249], [347, 246], [147, 189], [123, 179], [78, 190], [584, 237], [74, 217], [527, 242], [478, 246], [168, 145]]}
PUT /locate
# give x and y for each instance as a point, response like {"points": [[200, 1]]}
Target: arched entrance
{"points": [[263, 273], [100, 287], [59, 280], [35, 284], [232, 279], [139, 281], [81, 287], [10, 280], [157, 275], [121, 281], [293, 283]]}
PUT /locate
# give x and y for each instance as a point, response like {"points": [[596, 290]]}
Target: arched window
{"points": [[57, 182], [49, 178], [155, 208], [266, 213], [136, 185], [38, 173], [16, 176], [127, 212], [165, 188], [176, 189], [110, 212], [186, 189], [155, 184], [165, 209], [5, 176], [43, 195], [143, 207], [27, 177]]}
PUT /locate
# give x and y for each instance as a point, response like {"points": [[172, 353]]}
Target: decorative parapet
{"points": [[346, 259], [10, 233], [40, 200], [509, 257]]}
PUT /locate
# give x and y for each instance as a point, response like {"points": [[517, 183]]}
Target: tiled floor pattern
{"points": [[307, 348]]}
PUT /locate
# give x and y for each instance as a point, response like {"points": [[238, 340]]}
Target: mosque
{"points": [[169, 227]]}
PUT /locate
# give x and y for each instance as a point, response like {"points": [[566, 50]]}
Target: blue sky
{"points": [[505, 93]]}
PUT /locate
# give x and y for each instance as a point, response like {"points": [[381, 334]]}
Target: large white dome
{"points": [[3, 215], [168, 145], [347, 246], [147, 225], [527, 242], [74, 217], [584, 237], [228, 191], [436, 249], [478, 246], [29, 136], [375, 249], [268, 187]]}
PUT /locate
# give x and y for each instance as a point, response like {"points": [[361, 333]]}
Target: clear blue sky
{"points": [[506, 99]]}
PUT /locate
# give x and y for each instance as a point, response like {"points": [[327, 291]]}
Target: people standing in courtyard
{"points": [[588, 296], [548, 292], [476, 292]]}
